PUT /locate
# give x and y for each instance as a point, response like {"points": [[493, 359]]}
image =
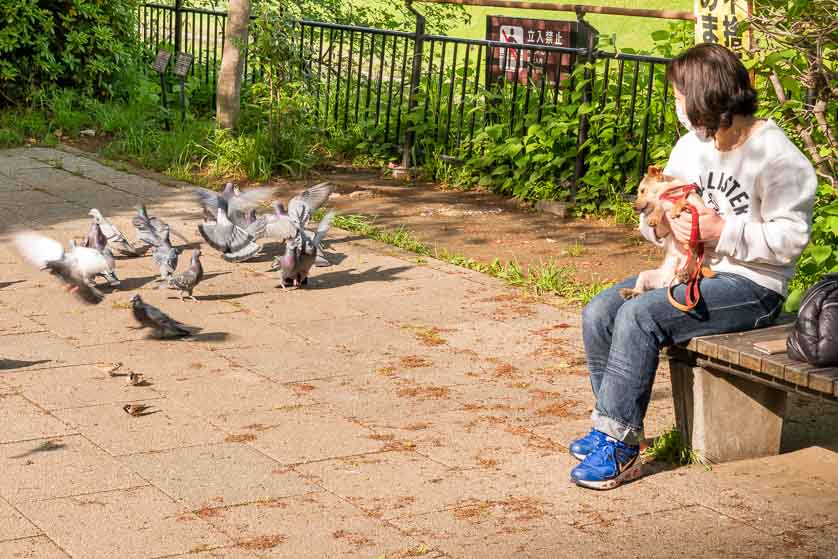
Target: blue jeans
{"points": [[623, 340]]}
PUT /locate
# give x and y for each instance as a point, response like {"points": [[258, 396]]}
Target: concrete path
{"points": [[398, 407]]}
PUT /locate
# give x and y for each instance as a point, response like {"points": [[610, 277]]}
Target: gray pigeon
{"points": [[163, 325], [76, 267], [165, 255], [234, 243], [149, 229], [95, 238], [303, 205], [236, 201], [114, 235], [300, 252], [190, 278]]}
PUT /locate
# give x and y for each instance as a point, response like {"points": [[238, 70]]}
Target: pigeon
{"points": [[165, 255], [303, 205], [254, 225], [76, 267], [236, 201], [163, 325], [95, 238], [114, 235], [307, 202], [234, 243], [300, 252], [190, 278], [149, 229]]}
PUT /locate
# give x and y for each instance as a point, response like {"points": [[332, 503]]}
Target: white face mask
{"points": [[700, 131]]}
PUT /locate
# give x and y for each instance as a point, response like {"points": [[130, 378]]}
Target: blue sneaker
{"points": [[581, 448], [608, 466]]}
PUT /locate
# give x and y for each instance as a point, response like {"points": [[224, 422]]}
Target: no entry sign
{"points": [[532, 63]]}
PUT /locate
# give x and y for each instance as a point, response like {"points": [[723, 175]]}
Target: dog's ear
{"points": [[654, 171]]}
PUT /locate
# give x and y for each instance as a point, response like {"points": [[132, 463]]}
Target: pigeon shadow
{"points": [[207, 337], [47, 446], [128, 284], [224, 297], [214, 275], [5, 284], [342, 278], [334, 258], [8, 364], [189, 246]]}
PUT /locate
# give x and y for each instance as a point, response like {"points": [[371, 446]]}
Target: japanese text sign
{"points": [[717, 21], [530, 63]]}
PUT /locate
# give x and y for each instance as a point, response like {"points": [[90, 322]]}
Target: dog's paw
{"points": [[627, 293], [653, 220], [707, 272], [683, 276]]}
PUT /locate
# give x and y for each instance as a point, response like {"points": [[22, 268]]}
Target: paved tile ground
{"points": [[399, 407]]}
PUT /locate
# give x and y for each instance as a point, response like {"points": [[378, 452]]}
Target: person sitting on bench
{"points": [[759, 190]]}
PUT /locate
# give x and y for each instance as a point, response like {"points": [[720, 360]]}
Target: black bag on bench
{"points": [[814, 338]]}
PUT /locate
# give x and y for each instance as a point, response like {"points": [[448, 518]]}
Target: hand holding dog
{"points": [[710, 225]]}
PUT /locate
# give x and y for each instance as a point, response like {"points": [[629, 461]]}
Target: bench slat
{"points": [[737, 351], [824, 380]]}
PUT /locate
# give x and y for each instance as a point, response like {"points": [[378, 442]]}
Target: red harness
{"points": [[679, 195]]}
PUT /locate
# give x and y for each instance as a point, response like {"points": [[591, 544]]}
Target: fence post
{"points": [[178, 25], [587, 94], [415, 77]]}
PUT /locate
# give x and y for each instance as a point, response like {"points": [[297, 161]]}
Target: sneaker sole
{"points": [[629, 474]]}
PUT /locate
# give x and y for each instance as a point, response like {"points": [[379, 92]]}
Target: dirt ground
{"points": [[477, 224]]}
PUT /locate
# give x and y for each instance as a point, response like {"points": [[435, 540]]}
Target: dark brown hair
{"points": [[715, 84]]}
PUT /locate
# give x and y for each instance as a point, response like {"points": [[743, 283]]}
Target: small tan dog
{"points": [[678, 261]]}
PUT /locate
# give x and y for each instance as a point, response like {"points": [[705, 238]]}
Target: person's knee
{"points": [[635, 315], [600, 309]]}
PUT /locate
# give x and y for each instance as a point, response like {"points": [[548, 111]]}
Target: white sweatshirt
{"points": [[764, 189]]}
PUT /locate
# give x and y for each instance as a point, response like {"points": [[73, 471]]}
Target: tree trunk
{"points": [[228, 93]]}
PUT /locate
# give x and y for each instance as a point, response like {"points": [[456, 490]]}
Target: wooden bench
{"points": [[730, 396]]}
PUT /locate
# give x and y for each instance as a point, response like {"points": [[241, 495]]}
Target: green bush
{"points": [[87, 45]]}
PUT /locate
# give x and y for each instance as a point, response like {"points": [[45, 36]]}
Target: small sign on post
{"points": [[532, 64], [182, 65], [160, 65]]}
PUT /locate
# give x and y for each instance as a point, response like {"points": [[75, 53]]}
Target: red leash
{"points": [[690, 277]]}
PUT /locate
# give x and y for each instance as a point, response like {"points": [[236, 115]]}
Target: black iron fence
{"points": [[433, 96]]}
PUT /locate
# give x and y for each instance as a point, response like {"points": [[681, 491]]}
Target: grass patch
{"points": [[670, 448], [544, 278]]}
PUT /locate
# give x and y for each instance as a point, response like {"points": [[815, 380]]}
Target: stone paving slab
{"points": [[140, 523], [204, 477], [35, 548], [13, 525], [398, 407], [59, 467]]}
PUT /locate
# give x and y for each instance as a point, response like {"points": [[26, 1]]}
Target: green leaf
{"points": [[820, 253], [793, 300], [660, 35]]}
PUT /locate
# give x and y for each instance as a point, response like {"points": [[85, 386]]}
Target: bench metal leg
{"points": [[723, 417]]}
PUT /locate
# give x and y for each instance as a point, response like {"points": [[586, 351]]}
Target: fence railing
{"points": [[430, 95]]}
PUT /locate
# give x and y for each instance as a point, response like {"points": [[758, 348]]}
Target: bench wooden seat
{"points": [[730, 396]]}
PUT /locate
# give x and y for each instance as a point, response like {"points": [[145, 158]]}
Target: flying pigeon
{"points": [[190, 278], [279, 224], [300, 252], [163, 325], [234, 243], [76, 267], [236, 201], [165, 255], [114, 235], [95, 238], [149, 229]]}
